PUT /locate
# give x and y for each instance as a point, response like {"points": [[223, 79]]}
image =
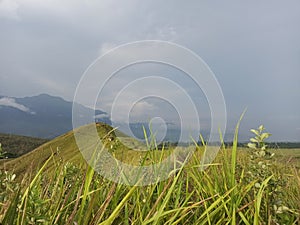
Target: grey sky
{"points": [[252, 47]]}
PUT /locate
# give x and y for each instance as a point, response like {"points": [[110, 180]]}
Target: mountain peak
{"points": [[43, 116]]}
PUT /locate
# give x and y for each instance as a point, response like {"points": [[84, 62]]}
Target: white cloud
{"points": [[142, 108], [5, 101]]}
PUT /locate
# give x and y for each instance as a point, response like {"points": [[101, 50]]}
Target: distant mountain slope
{"points": [[15, 145], [41, 116]]}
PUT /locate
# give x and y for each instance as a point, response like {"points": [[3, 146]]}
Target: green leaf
{"points": [[255, 132], [265, 135], [258, 200], [252, 145], [261, 128], [262, 153], [253, 140]]}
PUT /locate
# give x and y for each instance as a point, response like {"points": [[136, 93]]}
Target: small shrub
{"points": [[262, 165], [2, 153]]}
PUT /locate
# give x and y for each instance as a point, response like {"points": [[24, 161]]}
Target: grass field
{"points": [[54, 185]]}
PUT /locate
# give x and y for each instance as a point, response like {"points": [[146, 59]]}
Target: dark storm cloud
{"points": [[252, 47]]}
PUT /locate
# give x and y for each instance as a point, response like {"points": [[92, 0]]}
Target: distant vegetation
{"points": [[252, 185], [15, 145], [284, 145], [271, 145]]}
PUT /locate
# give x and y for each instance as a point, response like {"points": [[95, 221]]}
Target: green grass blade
{"points": [[258, 200], [117, 210]]}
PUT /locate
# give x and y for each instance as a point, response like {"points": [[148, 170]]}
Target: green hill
{"points": [[65, 149]]}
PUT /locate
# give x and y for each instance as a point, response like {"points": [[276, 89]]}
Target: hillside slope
{"points": [[16, 145], [65, 149]]}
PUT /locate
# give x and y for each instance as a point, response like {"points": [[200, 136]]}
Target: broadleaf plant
{"points": [[261, 169], [258, 144]]}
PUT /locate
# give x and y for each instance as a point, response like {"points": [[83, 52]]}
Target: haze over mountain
{"points": [[42, 116], [47, 116]]}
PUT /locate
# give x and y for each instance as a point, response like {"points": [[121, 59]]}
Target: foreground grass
{"points": [[233, 190], [191, 196]]}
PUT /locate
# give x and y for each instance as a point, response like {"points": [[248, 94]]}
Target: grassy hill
{"points": [[35, 158], [65, 149]]}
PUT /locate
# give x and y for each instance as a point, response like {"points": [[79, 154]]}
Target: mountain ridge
{"points": [[42, 116]]}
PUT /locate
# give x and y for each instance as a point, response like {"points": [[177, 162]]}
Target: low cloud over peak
{"points": [[11, 102]]}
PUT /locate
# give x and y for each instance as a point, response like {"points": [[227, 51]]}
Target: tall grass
{"points": [[221, 194]]}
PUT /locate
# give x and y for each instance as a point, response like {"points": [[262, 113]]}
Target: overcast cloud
{"points": [[252, 47]]}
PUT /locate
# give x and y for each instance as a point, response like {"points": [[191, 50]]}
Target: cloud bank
{"points": [[11, 102], [252, 47]]}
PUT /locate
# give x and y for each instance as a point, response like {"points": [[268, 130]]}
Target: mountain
{"points": [[170, 132], [42, 116]]}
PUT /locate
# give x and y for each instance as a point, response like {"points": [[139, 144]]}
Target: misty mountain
{"points": [[169, 132], [42, 116]]}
